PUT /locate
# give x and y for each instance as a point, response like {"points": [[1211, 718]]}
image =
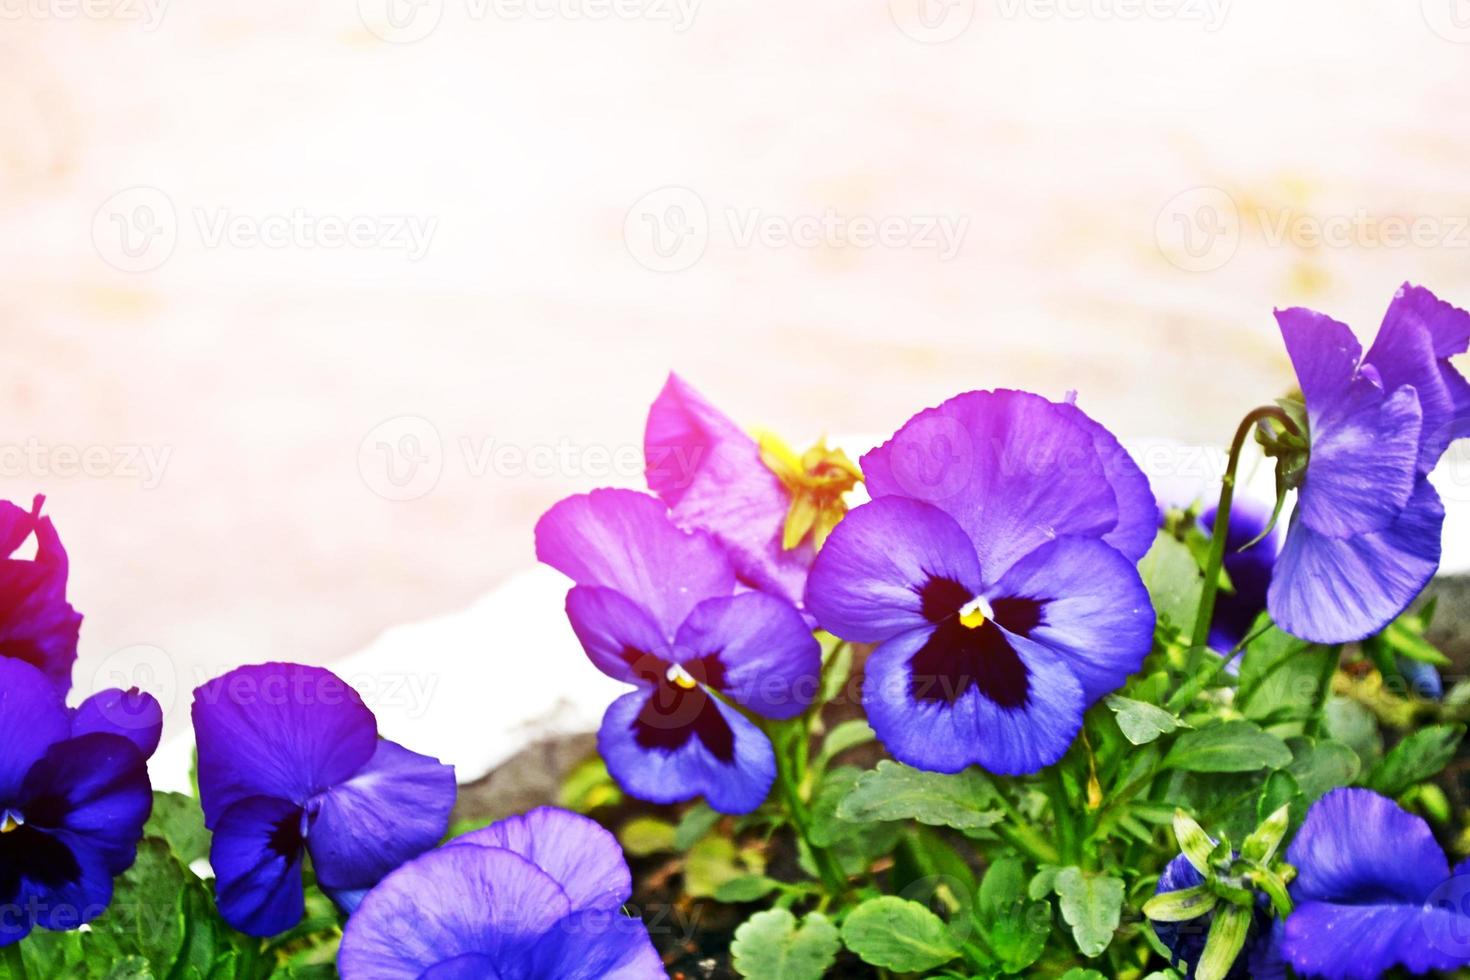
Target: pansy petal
{"points": [[942, 735], [658, 774], [710, 473], [1011, 467], [1416, 309], [37, 624], [1338, 856], [1250, 571], [1094, 611], [470, 966], [1363, 942], [614, 630], [868, 580], [771, 662], [256, 854], [1336, 590], [598, 945], [626, 541], [133, 714], [95, 787], [395, 808], [1404, 353], [453, 902], [32, 719], [65, 903], [1324, 353], [280, 730], [1137, 524], [579, 854]]}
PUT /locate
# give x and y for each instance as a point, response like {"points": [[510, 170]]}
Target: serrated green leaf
{"points": [[1418, 757], [1015, 927], [771, 946], [1140, 721], [1230, 746], [178, 821], [894, 791], [898, 935], [145, 919], [1092, 904]]}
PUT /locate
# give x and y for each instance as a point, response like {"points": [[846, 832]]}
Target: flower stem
{"points": [[789, 762], [1221, 530]]}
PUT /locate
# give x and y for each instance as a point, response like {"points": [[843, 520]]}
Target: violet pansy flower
{"points": [[995, 569], [657, 607], [536, 897], [37, 624], [74, 795], [1373, 891], [771, 508], [290, 764], [1365, 536]]}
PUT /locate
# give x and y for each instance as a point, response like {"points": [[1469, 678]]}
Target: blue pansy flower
{"points": [[657, 607], [1364, 538], [37, 624], [74, 795], [996, 571], [1373, 891], [290, 764], [536, 897]]}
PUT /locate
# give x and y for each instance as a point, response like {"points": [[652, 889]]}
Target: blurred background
{"points": [[309, 310]]}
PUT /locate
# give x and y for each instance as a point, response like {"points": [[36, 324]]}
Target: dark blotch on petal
{"points": [[34, 855], [286, 838], [956, 658], [941, 598], [1018, 615], [672, 714]]}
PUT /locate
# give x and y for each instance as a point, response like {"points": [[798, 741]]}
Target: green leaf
{"points": [[896, 792], [1348, 722], [1283, 680], [1140, 721], [747, 888], [1261, 845], [588, 787], [771, 946], [1230, 746], [1044, 882], [178, 821], [643, 836], [131, 968], [898, 935], [1193, 842], [1173, 579], [710, 864], [1415, 759], [1092, 905], [145, 918], [1321, 765], [848, 735], [696, 822], [1016, 927], [836, 668], [1079, 973]]}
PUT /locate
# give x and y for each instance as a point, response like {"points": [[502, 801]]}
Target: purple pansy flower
{"points": [[995, 569], [74, 795], [536, 897], [768, 507], [1373, 890], [657, 607], [1259, 959], [290, 764], [1365, 536], [37, 625]]}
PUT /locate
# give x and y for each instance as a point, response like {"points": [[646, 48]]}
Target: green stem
{"points": [[1062, 814], [10, 958], [1202, 680], [801, 818], [1221, 530]]}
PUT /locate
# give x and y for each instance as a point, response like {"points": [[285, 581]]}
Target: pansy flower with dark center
{"points": [[536, 897], [657, 607], [37, 624], [290, 764], [995, 569], [770, 507], [1373, 891], [74, 795], [1364, 538]]}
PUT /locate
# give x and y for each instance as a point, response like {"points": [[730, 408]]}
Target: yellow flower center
{"points": [[816, 480], [974, 613], [680, 677], [9, 823]]}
